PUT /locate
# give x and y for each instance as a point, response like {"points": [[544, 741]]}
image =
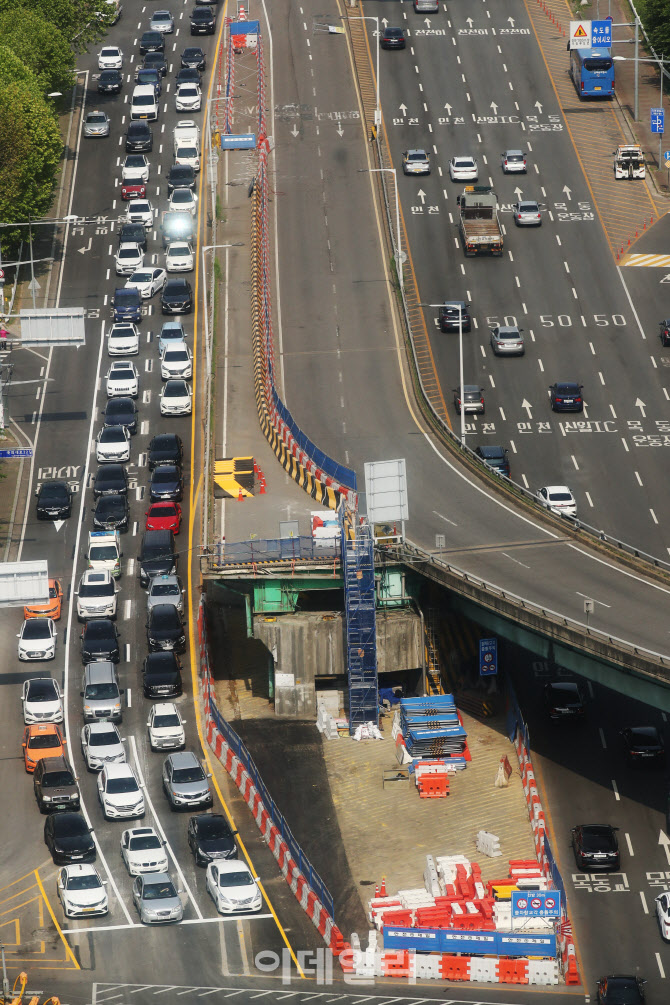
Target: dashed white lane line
{"points": [[644, 902], [615, 790], [639, 480], [660, 965], [127, 609], [602, 737], [630, 846]]}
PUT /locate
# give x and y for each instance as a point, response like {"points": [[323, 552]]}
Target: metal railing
{"points": [[259, 551]]}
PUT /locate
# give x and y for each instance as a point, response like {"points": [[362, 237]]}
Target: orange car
{"points": [[52, 608], [42, 740]]}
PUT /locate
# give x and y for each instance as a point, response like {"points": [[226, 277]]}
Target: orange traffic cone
{"points": [[382, 891], [240, 497]]}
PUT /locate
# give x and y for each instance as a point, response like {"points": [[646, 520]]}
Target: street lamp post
{"points": [[660, 63], [399, 259], [208, 382], [378, 110], [460, 361]]}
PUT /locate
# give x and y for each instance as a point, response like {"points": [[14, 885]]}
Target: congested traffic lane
{"points": [[65, 443], [556, 281]]}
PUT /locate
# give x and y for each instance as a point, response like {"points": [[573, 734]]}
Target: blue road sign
{"points": [[488, 657], [601, 34], [536, 904], [666, 156], [657, 120], [24, 452]]}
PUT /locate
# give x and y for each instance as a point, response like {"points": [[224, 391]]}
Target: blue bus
{"points": [[592, 72]]}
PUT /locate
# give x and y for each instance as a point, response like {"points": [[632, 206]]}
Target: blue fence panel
{"points": [[274, 550], [338, 472]]}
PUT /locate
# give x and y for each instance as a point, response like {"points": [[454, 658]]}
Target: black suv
{"points": [[139, 138], [203, 21], [100, 641], [595, 847], [54, 500], [120, 412], [111, 512], [162, 676], [177, 297], [180, 176], [110, 480], [55, 785], [454, 313], [155, 61], [210, 837], [110, 82], [193, 56], [133, 233], [494, 457], [68, 838], [157, 555], [165, 448], [165, 629], [563, 700], [152, 41]]}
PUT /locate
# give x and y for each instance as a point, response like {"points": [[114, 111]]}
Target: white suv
{"points": [[120, 793], [144, 104], [96, 596], [166, 727]]}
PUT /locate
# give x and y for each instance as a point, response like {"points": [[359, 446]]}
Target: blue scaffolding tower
{"points": [[359, 594]]}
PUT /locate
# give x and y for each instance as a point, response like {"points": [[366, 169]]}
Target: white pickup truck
{"points": [[629, 161], [186, 137]]}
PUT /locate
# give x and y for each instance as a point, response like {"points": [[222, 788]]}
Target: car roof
{"points": [[563, 685], [514, 153], [491, 451], [43, 728], [165, 707], [102, 727], [119, 770], [183, 759], [81, 869], [455, 303], [59, 763], [564, 385], [234, 865], [96, 575], [556, 488]]}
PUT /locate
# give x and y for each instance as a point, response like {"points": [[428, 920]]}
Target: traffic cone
{"points": [[382, 890], [240, 497], [262, 491]]}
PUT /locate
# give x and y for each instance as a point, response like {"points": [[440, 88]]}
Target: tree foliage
{"points": [[655, 15], [32, 146], [81, 22], [41, 47]]}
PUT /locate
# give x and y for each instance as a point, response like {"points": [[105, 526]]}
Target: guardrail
{"points": [[221, 556]]}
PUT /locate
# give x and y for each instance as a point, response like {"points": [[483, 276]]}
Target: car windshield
{"points": [[98, 630], [598, 839], [102, 692], [144, 842], [96, 117], [112, 434], [166, 721], [36, 629], [44, 741], [96, 590], [116, 786], [514, 157], [173, 389], [187, 152], [119, 407], [642, 737], [417, 156], [112, 504], [70, 826], [179, 251], [144, 99], [42, 690], [165, 590], [53, 493], [109, 52], [158, 891], [160, 511], [188, 90], [240, 878], [211, 829], [164, 618], [164, 475], [83, 882], [182, 195], [464, 162], [182, 775], [105, 737], [104, 553], [57, 779], [136, 161]]}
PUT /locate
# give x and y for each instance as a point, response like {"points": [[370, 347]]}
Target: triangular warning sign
{"points": [[580, 33]]}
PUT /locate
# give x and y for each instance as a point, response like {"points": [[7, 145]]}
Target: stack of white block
{"points": [[488, 843], [411, 899], [326, 724]]}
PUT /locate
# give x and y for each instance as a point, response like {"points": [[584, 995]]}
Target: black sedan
{"points": [[165, 448], [664, 331], [620, 989], [68, 838], [121, 412], [155, 61], [165, 629], [563, 700], [180, 176], [188, 75], [643, 745], [111, 513], [110, 480], [595, 847], [392, 38], [210, 837], [162, 676], [100, 641], [110, 82], [54, 500], [177, 297], [193, 56], [454, 314], [566, 396], [139, 138], [152, 41], [167, 484]]}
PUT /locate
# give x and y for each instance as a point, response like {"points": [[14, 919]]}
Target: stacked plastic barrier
{"points": [[432, 727], [230, 83]]}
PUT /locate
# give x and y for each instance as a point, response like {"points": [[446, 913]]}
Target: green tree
{"points": [[82, 22], [41, 47], [31, 149], [655, 15]]}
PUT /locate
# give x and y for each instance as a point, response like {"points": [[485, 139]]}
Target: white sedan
{"points": [[663, 914], [122, 379], [135, 168], [101, 745], [147, 281], [120, 793], [42, 701], [128, 259], [232, 887], [165, 724], [183, 200], [188, 97], [123, 339], [110, 57], [559, 499], [179, 257], [171, 332], [177, 361], [463, 169], [143, 851], [140, 211], [175, 398], [37, 639], [81, 891], [112, 444]]}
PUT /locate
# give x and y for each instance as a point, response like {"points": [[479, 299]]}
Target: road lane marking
{"points": [[602, 737], [61, 932], [616, 791], [630, 846], [660, 965], [644, 902]]}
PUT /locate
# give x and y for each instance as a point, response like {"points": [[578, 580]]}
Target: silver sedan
{"points": [[96, 124], [527, 214], [162, 20], [415, 162], [156, 899], [507, 340]]}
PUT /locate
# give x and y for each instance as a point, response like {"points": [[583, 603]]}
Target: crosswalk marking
{"points": [[650, 261]]}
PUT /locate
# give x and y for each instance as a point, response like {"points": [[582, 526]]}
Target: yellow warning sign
{"points": [[580, 34]]}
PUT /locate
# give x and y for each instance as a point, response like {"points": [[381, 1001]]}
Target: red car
{"points": [[133, 190], [164, 516]]}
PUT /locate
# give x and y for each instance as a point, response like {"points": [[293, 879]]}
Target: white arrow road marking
{"points": [[664, 841], [641, 405]]}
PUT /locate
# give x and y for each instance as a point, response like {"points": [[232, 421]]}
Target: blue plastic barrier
{"points": [[448, 940]]}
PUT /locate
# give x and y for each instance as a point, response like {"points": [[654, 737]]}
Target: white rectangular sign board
{"points": [[580, 34]]}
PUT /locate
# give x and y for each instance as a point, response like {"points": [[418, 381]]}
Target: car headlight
{"points": [[46, 799], [29, 760]]}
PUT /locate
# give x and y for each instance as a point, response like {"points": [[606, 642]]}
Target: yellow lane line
{"points": [[194, 493], [68, 951]]}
